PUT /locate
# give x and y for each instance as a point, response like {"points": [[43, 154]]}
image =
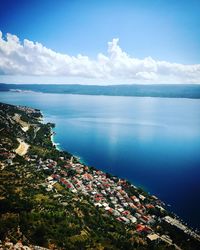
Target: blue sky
{"points": [[163, 30]]}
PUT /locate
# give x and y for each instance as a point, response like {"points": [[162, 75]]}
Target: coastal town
{"points": [[65, 179]]}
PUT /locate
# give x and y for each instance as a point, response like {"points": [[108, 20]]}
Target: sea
{"points": [[152, 142]]}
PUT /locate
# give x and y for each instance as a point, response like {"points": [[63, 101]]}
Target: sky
{"points": [[100, 42]]}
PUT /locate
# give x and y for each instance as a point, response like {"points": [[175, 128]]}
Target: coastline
{"points": [[111, 199], [44, 120], [67, 147], [140, 187], [55, 144]]}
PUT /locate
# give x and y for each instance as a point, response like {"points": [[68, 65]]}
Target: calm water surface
{"points": [[153, 142]]}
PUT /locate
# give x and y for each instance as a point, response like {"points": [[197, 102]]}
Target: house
{"points": [[150, 206], [98, 204], [124, 219], [107, 208], [153, 237], [121, 210], [132, 219], [87, 176], [9, 161], [143, 229], [126, 212], [137, 215], [135, 199], [98, 198], [50, 179], [142, 197], [115, 213]]}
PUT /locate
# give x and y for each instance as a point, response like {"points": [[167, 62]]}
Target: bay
{"points": [[152, 142]]}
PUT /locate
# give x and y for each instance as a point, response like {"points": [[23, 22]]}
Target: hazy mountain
{"points": [[154, 90]]}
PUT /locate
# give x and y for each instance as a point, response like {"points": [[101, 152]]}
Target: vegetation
{"points": [[58, 218], [153, 90]]}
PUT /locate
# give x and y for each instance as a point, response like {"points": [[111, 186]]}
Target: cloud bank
{"points": [[29, 58]]}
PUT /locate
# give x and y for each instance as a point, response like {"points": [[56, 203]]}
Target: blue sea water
{"points": [[153, 142]]}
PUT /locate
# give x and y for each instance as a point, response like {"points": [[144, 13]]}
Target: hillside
{"points": [[49, 199]]}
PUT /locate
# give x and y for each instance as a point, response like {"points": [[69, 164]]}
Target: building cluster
{"points": [[106, 192], [121, 200], [117, 197], [28, 110]]}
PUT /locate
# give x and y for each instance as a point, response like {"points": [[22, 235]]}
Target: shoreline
{"points": [[164, 204], [58, 147], [43, 120], [56, 144], [113, 199]]}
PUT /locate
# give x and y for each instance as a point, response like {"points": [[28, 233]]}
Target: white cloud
{"points": [[29, 58]]}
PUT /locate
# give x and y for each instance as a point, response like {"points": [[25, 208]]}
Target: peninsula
{"points": [[50, 200], [148, 90]]}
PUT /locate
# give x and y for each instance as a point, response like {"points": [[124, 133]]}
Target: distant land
{"points": [[153, 90]]}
